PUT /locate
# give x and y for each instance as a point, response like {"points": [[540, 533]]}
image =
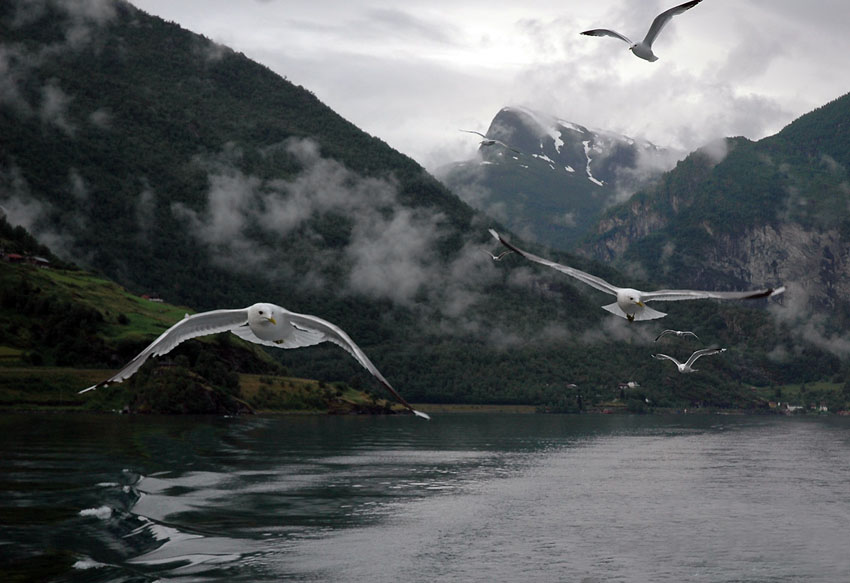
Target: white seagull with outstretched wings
{"points": [[643, 49], [688, 366], [266, 324], [631, 303], [486, 142]]}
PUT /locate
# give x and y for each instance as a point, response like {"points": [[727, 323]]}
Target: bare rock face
{"points": [[816, 261]]}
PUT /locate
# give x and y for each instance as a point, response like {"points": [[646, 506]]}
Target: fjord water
{"points": [[465, 497]]}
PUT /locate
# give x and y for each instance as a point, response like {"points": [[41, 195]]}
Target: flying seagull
{"points": [[677, 333], [688, 366], [631, 303], [486, 142], [643, 49], [498, 257], [265, 324]]}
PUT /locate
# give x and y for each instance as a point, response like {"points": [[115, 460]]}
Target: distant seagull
{"points": [[643, 49], [630, 302], [265, 324], [499, 256], [677, 333], [688, 365], [487, 142]]}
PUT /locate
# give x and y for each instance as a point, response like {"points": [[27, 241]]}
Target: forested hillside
{"points": [[775, 210], [177, 167]]}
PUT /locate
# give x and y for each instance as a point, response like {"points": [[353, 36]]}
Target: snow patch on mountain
{"points": [[587, 150]]}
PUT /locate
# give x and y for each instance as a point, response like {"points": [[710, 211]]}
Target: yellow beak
{"points": [[272, 321], [640, 303]]}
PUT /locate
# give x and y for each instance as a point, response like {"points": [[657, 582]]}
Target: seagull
{"points": [[643, 49], [631, 303], [486, 142], [498, 257], [688, 365], [261, 323], [677, 333]]}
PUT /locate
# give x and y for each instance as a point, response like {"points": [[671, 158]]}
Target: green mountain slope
{"points": [[769, 211], [60, 326], [177, 167]]}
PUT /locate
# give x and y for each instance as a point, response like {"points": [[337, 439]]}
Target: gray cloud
{"points": [[14, 68], [21, 208], [391, 251], [77, 185], [797, 315], [396, 23], [80, 21], [101, 118], [82, 17], [54, 107], [724, 66], [145, 209]]}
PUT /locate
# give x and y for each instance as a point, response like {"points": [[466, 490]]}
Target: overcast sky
{"points": [[414, 73]]}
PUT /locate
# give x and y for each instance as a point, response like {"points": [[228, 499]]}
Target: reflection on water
{"points": [[463, 498]]}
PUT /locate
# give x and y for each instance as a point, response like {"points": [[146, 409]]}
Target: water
{"points": [[483, 497]]}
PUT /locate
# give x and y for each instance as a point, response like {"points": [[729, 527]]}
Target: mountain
{"points": [[174, 166], [562, 177], [775, 210]]}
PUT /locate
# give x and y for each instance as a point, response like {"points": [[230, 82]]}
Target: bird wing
{"points": [[662, 19], [607, 32], [703, 352], [332, 333], [660, 356], [591, 280], [189, 327], [504, 145], [664, 333], [677, 333], [474, 132], [670, 295]]}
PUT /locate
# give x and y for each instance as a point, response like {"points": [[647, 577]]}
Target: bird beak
{"points": [[640, 303], [272, 321]]}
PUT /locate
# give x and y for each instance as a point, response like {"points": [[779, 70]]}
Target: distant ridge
{"points": [[566, 176]]}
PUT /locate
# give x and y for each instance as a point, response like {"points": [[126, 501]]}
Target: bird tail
{"points": [[646, 313]]}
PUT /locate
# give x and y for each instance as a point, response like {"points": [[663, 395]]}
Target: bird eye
{"points": [[261, 312]]}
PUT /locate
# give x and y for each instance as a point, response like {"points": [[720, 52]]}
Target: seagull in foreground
{"points": [[265, 324], [643, 49], [486, 142], [677, 333], [631, 303], [688, 365]]}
